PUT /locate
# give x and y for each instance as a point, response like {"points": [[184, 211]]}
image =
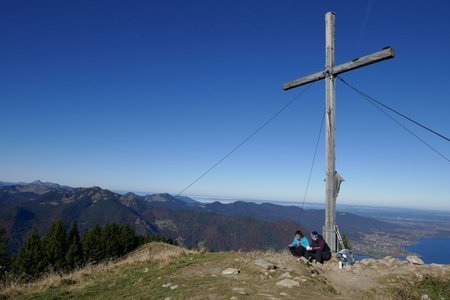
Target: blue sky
{"points": [[146, 95]]}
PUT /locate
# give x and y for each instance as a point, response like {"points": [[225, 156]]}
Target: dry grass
{"points": [[156, 252], [52, 279], [152, 254], [147, 272]]}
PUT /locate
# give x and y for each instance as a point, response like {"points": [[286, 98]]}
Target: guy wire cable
{"points": [[245, 140]]}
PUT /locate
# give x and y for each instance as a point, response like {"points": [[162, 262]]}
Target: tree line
{"points": [[61, 250]]}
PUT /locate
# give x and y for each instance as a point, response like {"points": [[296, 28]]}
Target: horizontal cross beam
{"points": [[384, 54]]}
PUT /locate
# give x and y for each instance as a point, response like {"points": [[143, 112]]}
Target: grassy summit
{"points": [[161, 271]]}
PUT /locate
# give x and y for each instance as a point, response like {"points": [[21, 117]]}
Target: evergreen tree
{"points": [[347, 244], [4, 257], [128, 239], [31, 261], [55, 244], [111, 240], [74, 255], [93, 251]]}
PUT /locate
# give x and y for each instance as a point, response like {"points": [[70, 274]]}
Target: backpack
{"points": [[346, 257]]}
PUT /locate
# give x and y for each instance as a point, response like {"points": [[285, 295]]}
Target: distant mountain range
{"points": [[218, 226], [3, 183]]}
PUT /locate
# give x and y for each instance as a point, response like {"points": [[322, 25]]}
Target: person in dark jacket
{"points": [[318, 249]]}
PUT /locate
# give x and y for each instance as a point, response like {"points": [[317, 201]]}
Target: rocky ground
{"points": [[387, 278], [160, 271]]}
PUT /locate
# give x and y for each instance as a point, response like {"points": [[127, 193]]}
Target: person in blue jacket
{"points": [[299, 244]]}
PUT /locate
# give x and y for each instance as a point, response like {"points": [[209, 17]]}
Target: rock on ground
{"points": [[286, 274], [414, 259], [288, 283], [230, 271], [265, 264]]}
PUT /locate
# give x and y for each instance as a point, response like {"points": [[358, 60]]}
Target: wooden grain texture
{"points": [[330, 103], [329, 74], [384, 54], [364, 61], [304, 80]]}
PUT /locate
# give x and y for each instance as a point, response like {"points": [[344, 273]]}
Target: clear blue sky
{"points": [[146, 95]]}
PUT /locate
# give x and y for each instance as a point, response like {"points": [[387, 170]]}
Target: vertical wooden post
{"points": [[330, 81], [329, 74]]}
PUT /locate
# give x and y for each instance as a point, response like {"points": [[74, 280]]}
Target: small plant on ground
{"points": [[432, 287]]}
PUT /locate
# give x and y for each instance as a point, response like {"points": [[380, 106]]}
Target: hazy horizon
{"points": [[228, 199]]}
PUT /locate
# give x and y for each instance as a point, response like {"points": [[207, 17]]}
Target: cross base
{"points": [[329, 234]]}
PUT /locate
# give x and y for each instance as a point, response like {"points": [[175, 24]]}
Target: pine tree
{"points": [[111, 240], [74, 255], [55, 244], [93, 251], [346, 242], [4, 257], [128, 239], [31, 261]]}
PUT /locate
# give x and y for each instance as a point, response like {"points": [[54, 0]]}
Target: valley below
{"points": [[215, 226]]}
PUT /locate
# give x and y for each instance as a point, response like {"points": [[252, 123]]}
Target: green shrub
{"points": [[433, 287], [31, 261]]}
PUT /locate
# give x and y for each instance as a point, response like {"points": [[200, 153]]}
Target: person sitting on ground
{"points": [[318, 249], [299, 244]]}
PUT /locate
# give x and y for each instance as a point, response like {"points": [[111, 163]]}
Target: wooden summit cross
{"points": [[329, 74]]}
